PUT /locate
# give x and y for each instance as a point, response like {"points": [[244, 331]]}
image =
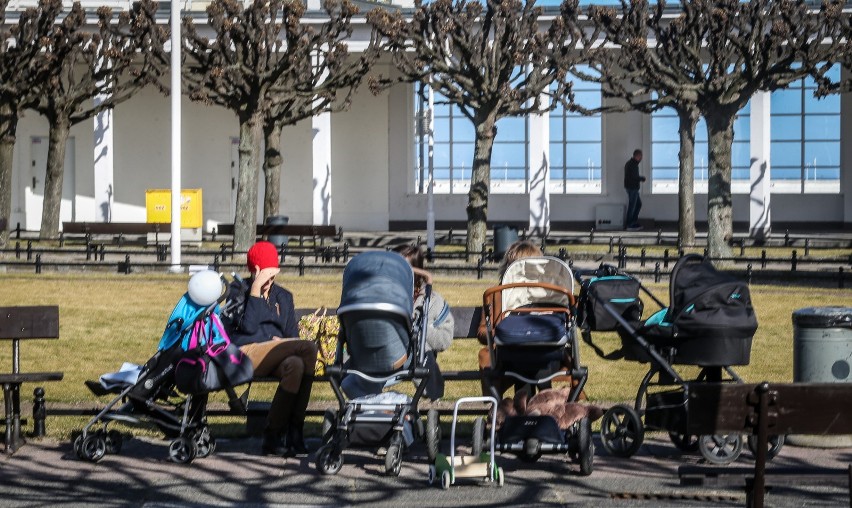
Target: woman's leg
{"points": [[292, 362]]}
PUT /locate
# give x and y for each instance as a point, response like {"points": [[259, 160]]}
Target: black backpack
{"points": [[608, 286]]}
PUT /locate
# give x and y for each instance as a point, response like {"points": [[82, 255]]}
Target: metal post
{"points": [[38, 263], [642, 258], [657, 272], [807, 246], [793, 262], [301, 265], [748, 274], [175, 64], [29, 250], [840, 278], [591, 236], [763, 258], [659, 236], [39, 412], [665, 258], [611, 244]]}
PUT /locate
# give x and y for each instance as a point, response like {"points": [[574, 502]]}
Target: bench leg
{"points": [[12, 402]]}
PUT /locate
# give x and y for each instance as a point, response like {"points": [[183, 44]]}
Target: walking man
{"points": [[632, 180]]}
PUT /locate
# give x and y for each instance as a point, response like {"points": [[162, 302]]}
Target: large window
{"points": [[454, 146], [575, 145], [665, 148], [805, 133]]}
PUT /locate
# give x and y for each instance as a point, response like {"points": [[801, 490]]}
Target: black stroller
{"points": [[147, 394], [709, 324], [384, 339], [533, 341]]}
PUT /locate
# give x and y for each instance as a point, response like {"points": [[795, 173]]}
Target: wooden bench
{"points": [[466, 321], [16, 324], [302, 231], [767, 409], [89, 229]]}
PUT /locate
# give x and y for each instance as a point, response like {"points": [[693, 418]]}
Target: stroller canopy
{"points": [[545, 269], [378, 281]]}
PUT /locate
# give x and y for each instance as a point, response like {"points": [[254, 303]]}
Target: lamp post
{"points": [[430, 198], [176, 130]]}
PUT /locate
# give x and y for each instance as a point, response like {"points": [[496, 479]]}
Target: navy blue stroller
{"points": [[382, 342], [709, 323]]}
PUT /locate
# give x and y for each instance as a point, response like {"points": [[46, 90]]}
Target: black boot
{"points": [[295, 435], [274, 444], [277, 423]]}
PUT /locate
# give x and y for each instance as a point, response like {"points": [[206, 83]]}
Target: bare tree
{"points": [[493, 60], [324, 79], [17, 76], [124, 54], [635, 72], [267, 66]]}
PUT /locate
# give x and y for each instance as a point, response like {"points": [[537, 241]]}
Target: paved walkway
{"points": [[47, 473]]}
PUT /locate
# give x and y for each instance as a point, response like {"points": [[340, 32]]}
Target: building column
{"points": [[321, 151], [759, 217], [846, 149], [103, 170], [539, 177]]}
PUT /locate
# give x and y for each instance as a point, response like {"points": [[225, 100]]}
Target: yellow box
{"points": [[158, 205]]}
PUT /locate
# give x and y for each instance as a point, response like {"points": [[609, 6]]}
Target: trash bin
{"points": [[822, 349], [504, 236], [277, 220]]}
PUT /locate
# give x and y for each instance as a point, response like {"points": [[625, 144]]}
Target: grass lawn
{"points": [[107, 319]]}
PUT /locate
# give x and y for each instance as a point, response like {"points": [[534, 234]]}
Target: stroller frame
{"points": [[622, 429], [338, 426]]}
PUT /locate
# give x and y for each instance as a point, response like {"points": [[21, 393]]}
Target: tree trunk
{"points": [[720, 137], [686, 177], [60, 127], [272, 170], [480, 182], [245, 221], [8, 125]]}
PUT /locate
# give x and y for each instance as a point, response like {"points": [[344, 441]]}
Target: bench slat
{"points": [[284, 229], [114, 228], [31, 377], [30, 322]]}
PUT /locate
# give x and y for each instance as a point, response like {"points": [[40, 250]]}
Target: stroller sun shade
{"points": [[547, 270], [378, 281]]}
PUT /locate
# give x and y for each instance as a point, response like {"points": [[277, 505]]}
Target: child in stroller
{"points": [[531, 341], [384, 339], [148, 394], [709, 323]]}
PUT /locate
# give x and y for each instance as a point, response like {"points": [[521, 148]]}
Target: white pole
{"points": [[430, 198], [176, 128]]}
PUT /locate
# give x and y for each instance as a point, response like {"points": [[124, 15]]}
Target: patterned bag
{"points": [[322, 329]]}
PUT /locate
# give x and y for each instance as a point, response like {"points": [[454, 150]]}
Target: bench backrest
{"points": [[283, 229], [803, 408], [112, 228], [466, 320], [35, 322]]}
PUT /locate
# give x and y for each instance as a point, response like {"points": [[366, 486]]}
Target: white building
{"points": [[368, 156]]}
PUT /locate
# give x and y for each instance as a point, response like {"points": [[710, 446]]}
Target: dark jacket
{"points": [[261, 320], [631, 174]]}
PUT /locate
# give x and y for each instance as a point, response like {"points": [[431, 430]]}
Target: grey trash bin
{"points": [[277, 220], [822, 351], [504, 236]]}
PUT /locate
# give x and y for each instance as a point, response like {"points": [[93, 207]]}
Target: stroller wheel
{"points": [[586, 446], [393, 460], [720, 448], [93, 447], [478, 435], [445, 480], [205, 444], [182, 450], [684, 442], [774, 443], [114, 441], [433, 472], [329, 460], [433, 434], [532, 450], [621, 431]]}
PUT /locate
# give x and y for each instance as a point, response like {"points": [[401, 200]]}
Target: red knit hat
{"points": [[262, 254]]}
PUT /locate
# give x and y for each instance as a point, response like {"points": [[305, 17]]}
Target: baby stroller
{"points": [[147, 394], [708, 324], [384, 339], [533, 342]]}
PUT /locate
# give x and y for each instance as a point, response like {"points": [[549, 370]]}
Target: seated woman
{"points": [[267, 332], [440, 321]]}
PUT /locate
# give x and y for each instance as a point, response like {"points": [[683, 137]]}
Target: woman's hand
{"points": [[263, 280]]}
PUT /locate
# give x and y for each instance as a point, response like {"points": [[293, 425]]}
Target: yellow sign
{"points": [[158, 205]]}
